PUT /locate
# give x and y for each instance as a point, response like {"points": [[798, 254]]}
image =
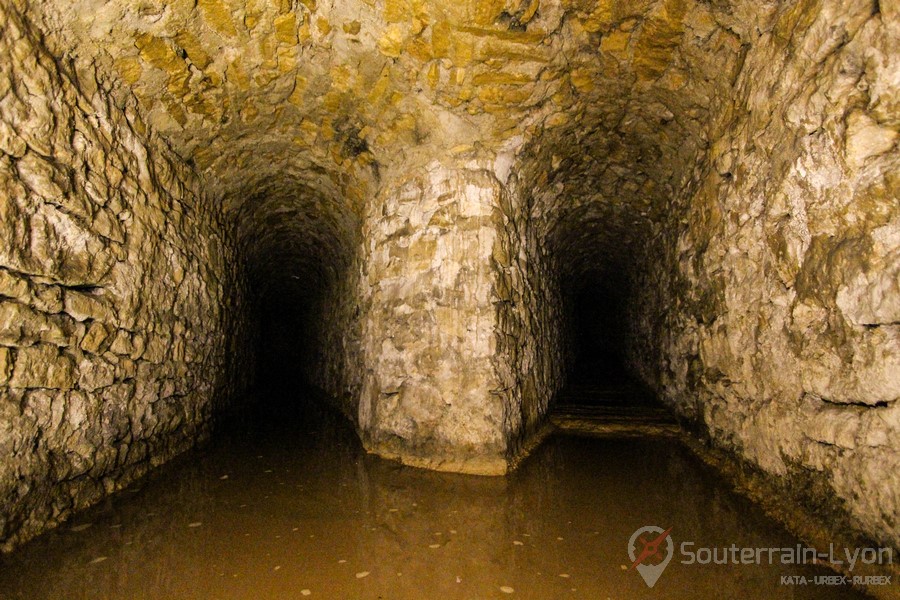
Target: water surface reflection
{"points": [[289, 506]]}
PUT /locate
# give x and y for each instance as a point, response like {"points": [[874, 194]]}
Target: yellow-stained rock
{"points": [[175, 109], [658, 39], [583, 80], [5, 365], [463, 50], [421, 253], [249, 112], [237, 75], [615, 41], [501, 78], [326, 129], [158, 52], [405, 122], [331, 101], [503, 95], [217, 15], [194, 49], [287, 61], [391, 43], [441, 39], [303, 33], [129, 67], [529, 12], [397, 11], [495, 49], [535, 36], [433, 75], [379, 90], [419, 49], [342, 78], [286, 28], [601, 18], [487, 12]]}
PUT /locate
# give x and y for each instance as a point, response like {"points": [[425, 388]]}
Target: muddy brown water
{"points": [[290, 506]]}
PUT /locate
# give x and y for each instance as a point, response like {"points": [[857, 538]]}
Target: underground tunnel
{"points": [[598, 328], [402, 299], [296, 247]]}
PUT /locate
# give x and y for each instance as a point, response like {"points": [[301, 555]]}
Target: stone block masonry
{"points": [[769, 311], [438, 280], [114, 272]]}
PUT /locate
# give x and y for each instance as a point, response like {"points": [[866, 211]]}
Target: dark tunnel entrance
{"points": [[297, 249], [598, 370], [285, 338], [282, 346], [598, 314]]}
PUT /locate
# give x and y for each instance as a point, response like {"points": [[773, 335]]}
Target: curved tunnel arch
{"points": [[300, 250]]}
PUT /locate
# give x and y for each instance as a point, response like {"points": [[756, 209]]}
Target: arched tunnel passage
{"points": [[597, 313], [298, 246], [598, 267], [598, 305], [286, 321], [600, 228]]}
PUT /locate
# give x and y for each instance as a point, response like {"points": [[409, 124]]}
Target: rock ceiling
{"points": [[314, 104]]}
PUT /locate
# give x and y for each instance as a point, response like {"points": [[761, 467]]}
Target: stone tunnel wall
{"points": [[531, 336], [773, 318], [114, 271], [457, 342], [337, 364], [428, 336]]}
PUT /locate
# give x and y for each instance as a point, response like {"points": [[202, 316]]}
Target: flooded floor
{"points": [[290, 506]]}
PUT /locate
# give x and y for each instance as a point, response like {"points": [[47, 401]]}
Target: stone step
{"points": [[614, 420]]}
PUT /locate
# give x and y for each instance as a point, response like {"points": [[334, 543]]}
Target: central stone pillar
{"points": [[432, 394]]}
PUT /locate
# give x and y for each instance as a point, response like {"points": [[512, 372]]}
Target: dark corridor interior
{"points": [[599, 329], [286, 330], [283, 341], [598, 319]]}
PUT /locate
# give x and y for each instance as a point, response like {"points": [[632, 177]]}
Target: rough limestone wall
{"points": [[530, 324], [428, 337], [114, 271], [456, 338], [771, 314], [338, 369]]}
